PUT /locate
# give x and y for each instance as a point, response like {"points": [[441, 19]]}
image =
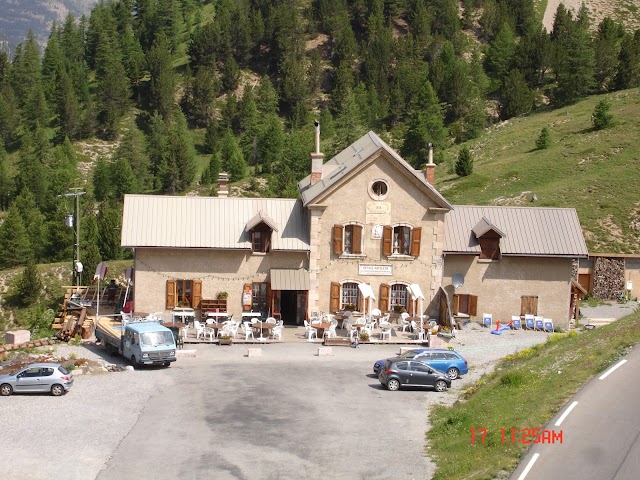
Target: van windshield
{"points": [[153, 339]]}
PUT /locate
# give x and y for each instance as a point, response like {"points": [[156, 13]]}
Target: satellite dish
{"points": [[457, 280]]}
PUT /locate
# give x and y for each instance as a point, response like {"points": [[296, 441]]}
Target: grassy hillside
{"points": [[595, 172]]}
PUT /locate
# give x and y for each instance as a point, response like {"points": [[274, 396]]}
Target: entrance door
{"points": [[293, 306]]}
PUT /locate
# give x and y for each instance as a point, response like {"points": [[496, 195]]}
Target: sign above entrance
{"points": [[378, 213], [369, 269]]}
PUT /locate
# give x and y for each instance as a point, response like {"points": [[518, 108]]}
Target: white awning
{"points": [[366, 290], [415, 291], [289, 279]]}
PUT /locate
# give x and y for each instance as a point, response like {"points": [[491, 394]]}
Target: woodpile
{"points": [[608, 278]]}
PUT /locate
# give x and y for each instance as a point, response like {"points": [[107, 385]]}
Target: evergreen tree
{"points": [[515, 95], [601, 118], [215, 167], [109, 227], [132, 150], [6, 181], [15, 248], [544, 139], [25, 69], [606, 51], [199, 98], [230, 74], [628, 74], [232, 160], [9, 114], [158, 148], [425, 126], [266, 97], [102, 179], [270, 144], [67, 108], [163, 80], [534, 55], [202, 46], [123, 179], [28, 286], [89, 251], [500, 55], [36, 111], [181, 162], [212, 136], [464, 165]]}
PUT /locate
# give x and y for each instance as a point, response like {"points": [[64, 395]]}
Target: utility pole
{"points": [[76, 265]]}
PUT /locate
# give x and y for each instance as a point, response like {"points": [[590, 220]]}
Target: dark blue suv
{"points": [[439, 358]]}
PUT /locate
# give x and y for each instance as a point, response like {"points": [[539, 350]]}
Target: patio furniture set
{"points": [[250, 327]]}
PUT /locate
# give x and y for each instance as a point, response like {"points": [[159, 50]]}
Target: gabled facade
{"points": [[368, 232]]}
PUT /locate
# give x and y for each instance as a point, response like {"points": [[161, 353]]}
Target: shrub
{"points": [[601, 117], [544, 139], [464, 165], [512, 379]]}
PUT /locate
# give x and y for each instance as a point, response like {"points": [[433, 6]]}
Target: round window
{"points": [[378, 189]]}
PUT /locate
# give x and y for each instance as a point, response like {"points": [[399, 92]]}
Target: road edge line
{"points": [[566, 412], [529, 466], [612, 369]]}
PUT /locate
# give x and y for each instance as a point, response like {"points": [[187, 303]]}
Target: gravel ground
{"points": [[91, 424]]}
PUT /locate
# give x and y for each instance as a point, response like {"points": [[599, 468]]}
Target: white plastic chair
{"points": [[200, 329], [548, 325], [248, 330], [277, 332], [404, 322], [233, 329], [418, 332], [385, 330], [271, 320], [538, 323], [311, 332], [376, 312], [331, 331]]}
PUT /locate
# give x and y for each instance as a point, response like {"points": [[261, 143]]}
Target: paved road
{"points": [[232, 417], [600, 433]]}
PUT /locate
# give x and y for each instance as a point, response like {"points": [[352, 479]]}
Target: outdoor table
{"points": [[262, 326], [184, 313], [213, 327], [320, 328], [251, 315], [217, 315]]}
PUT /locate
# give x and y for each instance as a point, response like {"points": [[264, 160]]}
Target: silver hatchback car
{"points": [[37, 377]]}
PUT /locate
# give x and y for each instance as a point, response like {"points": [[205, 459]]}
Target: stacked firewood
{"points": [[608, 278]]}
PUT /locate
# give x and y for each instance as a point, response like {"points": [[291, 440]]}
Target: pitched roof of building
{"points": [[528, 231], [350, 158], [211, 222]]}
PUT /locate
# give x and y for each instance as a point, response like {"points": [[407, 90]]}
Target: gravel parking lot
{"points": [[287, 414]]}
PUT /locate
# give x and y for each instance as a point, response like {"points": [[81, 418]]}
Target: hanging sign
{"points": [[101, 271]]}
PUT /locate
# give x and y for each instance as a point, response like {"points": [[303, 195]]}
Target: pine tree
{"points": [[109, 227], [15, 248], [544, 139], [89, 251], [36, 111], [230, 74], [212, 136], [199, 98], [102, 179], [500, 55], [425, 126], [601, 118], [464, 165], [67, 108], [163, 80], [232, 160], [515, 95], [6, 181], [132, 150], [181, 161], [628, 74], [606, 51], [124, 181], [158, 148], [270, 144], [28, 286], [266, 97], [25, 71]]}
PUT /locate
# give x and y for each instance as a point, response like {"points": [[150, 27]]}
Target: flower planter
{"points": [[225, 341]]}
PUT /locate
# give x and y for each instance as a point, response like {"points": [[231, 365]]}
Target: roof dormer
{"points": [[488, 236], [261, 226]]}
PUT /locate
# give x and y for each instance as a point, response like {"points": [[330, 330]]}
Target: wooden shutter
{"points": [[411, 309], [387, 236], [196, 293], [334, 303], [529, 305], [473, 305], [171, 294], [383, 302], [337, 239], [361, 303], [455, 304], [270, 299], [356, 239], [415, 241]]}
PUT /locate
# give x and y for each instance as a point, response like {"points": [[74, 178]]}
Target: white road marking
{"points": [[606, 374], [529, 465], [566, 412]]}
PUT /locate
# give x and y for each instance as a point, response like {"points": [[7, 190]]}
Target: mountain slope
{"points": [[594, 171]]}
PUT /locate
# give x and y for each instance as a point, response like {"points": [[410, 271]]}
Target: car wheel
{"points": [[57, 390], [167, 364], [5, 390], [393, 385], [441, 386], [453, 373]]}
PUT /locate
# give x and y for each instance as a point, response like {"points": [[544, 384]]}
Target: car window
{"points": [[424, 356], [63, 370], [31, 372], [409, 354], [402, 365], [419, 367], [451, 356], [437, 356], [47, 372]]}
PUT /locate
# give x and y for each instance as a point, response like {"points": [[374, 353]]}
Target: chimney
{"points": [[316, 157], [430, 168], [223, 185]]}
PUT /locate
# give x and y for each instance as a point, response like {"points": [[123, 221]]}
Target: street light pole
{"points": [[76, 266]]}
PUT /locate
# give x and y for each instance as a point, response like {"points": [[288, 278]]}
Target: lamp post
{"points": [[74, 221]]}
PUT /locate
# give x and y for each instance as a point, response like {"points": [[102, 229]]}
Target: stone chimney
{"points": [[316, 157], [430, 167], [223, 185]]}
